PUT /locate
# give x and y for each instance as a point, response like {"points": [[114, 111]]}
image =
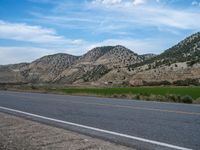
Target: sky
{"points": [[30, 29]]}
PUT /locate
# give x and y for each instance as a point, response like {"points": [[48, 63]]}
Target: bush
{"points": [[122, 96], [174, 98], [187, 99], [156, 83], [192, 62], [33, 87], [171, 98], [187, 82], [115, 96], [137, 96]]}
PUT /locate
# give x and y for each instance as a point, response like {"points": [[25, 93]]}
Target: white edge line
{"points": [[97, 129]]}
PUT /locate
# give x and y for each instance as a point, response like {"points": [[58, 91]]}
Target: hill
{"points": [[178, 63], [96, 63], [114, 65]]}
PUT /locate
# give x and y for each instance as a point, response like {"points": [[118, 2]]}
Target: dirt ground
{"points": [[21, 134]]}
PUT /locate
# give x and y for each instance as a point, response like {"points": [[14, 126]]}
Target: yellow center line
{"points": [[142, 108], [124, 106]]}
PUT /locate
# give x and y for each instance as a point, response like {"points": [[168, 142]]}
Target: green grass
{"points": [[194, 92], [187, 94]]}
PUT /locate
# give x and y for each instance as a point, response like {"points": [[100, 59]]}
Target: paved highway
{"points": [[140, 124]]}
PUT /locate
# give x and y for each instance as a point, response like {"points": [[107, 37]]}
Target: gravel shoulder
{"points": [[21, 134]]}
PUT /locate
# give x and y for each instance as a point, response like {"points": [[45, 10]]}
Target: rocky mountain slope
{"points": [[181, 62], [44, 69], [148, 56], [187, 50], [111, 65], [12, 73], [47, 68], [98, 62]]}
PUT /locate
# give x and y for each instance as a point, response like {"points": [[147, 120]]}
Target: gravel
{"points": [[21, 134]]}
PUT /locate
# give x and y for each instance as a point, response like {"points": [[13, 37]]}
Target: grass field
{"points": [[175, 94], [187, 94], [194, 92]]}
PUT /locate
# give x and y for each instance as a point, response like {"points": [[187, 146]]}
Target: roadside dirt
{"points": [[21, 134]]}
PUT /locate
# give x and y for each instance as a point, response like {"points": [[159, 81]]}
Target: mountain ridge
{"points": [[111, 64]]}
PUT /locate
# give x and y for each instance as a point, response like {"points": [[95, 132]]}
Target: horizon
{"points": [[75, 55], [31, 29]]}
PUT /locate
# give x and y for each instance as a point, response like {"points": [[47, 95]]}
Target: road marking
{"points": [[124, 106], [141, 108], [97, 129], [104, 98]]}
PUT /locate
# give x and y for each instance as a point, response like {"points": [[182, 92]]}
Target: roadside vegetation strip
{"points": [[178, 94], [175, 94]]}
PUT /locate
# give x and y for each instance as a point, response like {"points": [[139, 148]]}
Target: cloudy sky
{"points": [[33, 28]]}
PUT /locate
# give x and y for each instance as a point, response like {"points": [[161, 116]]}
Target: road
{"points": [[140, 124]]}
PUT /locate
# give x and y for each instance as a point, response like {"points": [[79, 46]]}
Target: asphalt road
{"points": [[141, 124]]}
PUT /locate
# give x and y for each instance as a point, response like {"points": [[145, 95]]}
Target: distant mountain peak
{"points": [[95, 53], [111, 63]]}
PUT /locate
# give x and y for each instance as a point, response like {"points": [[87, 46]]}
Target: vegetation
{"points": [[181, 94], [173, 94], [186, 82], [185, 51]]}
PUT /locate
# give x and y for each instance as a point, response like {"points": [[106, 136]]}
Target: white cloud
{"points": [[108, 1], [126, 2], [11, 55], [139, 2], [196, 3], [138, 46], [151, 15], [18, 54], [34, 34], [124, 21], [116, 16]]}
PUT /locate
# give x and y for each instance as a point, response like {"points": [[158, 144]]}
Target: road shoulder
{"points": [[18, 133]]}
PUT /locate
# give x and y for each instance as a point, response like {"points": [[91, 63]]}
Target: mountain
{"points": [[185, 51], [92, 55], [12, 73], [180, 62], [98, 62], [44, 69], [112, 56], [48, 67], [115, 65], [148, 56], [119, 56]]}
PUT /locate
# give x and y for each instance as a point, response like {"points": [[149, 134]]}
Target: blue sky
{"points": [[30, 29]]}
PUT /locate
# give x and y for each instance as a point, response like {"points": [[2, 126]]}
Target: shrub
{"points": [[192, 62], [137, 96], [33, 87], [171, 98], [115, 96], [187, 99], [156, 83], [186, 82], [123, 96]]}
